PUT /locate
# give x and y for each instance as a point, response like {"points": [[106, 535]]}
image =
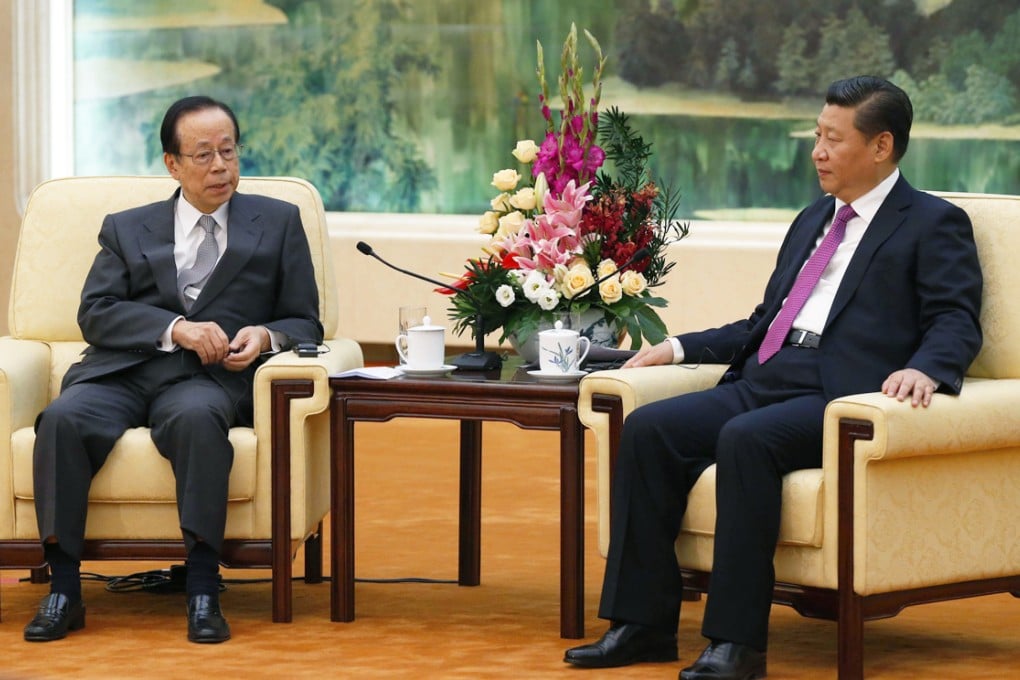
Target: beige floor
{"points": [[506, 628]]}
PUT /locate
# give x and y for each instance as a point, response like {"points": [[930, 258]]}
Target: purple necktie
{"points": [[805, 283]]}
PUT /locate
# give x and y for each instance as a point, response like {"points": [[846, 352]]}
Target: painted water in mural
{"points": [[398, 106]]}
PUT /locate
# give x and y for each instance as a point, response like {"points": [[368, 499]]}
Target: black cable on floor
{"points": [[174, 580]]}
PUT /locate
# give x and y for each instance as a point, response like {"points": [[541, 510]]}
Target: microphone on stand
{"points": [[479, 360]]}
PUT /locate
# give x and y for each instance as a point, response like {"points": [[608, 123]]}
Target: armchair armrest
{"points": [[984, 416], [605, 399], [911, 478], [24, 392], [291, 417], [24, 371]]}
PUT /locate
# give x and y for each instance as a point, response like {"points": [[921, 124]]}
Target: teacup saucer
{"points": [[426, 372], [558, 376]]}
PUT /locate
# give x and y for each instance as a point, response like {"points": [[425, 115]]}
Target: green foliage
{"points": [[627, 154], [626, 151]]}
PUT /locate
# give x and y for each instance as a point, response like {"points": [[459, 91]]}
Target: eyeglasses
{"points": [[205, 157]]}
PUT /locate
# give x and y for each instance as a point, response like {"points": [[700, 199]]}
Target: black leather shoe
{"points": [[624, 644], [205, 620], [726, 661], [56, 615]]}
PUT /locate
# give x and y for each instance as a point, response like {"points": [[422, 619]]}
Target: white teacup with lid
{"points": [[561, 350], [422, 347]]}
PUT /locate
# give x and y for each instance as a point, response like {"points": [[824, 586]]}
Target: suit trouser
{"points": [[189, 415], [756, 429]]}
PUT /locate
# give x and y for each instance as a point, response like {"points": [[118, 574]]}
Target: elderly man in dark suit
{"points": [[182, 301], [877, 286]]}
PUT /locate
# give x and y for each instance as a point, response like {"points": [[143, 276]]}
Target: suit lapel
{"points": [[156, 241], [889, 216], [803, 246], [243, 237]]}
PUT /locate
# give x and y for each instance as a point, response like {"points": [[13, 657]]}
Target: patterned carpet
{"points": [[506, 628]]}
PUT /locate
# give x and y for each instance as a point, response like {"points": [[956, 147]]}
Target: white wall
{"points": [[719, 276]]}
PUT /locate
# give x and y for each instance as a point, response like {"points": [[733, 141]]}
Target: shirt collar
{"points": [[867, 205], [187, 214]]}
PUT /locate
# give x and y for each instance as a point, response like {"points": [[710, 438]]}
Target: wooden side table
{"points": [[511, 396]]}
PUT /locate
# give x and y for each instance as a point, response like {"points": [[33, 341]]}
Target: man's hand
{"points": [[909, 382], [204, 338], [652, 355], [246, 346]]}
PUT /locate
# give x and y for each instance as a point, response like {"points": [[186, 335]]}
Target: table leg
{"points": [[341, 589], [469, 565], [571, 525]]}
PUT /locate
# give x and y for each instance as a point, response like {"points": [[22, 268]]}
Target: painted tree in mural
{"points": [[321, 104], [960, 65]]}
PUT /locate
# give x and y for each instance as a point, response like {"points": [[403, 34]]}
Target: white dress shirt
{"points": [[815, 312]]}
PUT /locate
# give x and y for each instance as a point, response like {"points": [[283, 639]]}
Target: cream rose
{"points": [[610, 290], [633, 283], [526, 150], [524, 199], [489, 222], [606, 267], [577, 279], [506, 180], [501, 203], [510, 224]]}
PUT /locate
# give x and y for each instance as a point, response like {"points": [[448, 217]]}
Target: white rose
{"points": [[510, 223], [489, 222], [606, 267], [524, 199], [501, 203], [505, 295], [525, 151], [548, 299], [506, 180], [633, 283], [610, 290], [578, 278]]}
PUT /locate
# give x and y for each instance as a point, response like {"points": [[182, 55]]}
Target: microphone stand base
{"points": [[478, 361]]}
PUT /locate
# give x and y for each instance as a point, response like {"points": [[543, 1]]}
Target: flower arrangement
{"points": [[572, 224]]}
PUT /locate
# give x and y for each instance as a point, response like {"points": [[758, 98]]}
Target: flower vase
{"points": [[590, 323]]}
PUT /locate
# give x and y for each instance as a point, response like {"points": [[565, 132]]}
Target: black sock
{"points": [[203, 570], [65, 572]]}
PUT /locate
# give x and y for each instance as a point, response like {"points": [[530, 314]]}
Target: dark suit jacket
{"points": [[910, 298], [265, 277]]}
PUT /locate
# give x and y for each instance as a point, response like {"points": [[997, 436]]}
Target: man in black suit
{"points": [[180, 305], [891, 303]]}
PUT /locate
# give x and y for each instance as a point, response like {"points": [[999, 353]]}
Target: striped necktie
{"points": [[190, 281]]}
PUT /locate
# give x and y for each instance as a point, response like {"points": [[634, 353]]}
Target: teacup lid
{"points": [[426, 325], [558, 329]]}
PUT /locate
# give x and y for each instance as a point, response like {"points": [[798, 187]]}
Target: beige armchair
{"points": [[910, 505], [279, 483]]}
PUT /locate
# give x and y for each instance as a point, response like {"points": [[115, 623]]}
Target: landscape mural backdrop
{"points": [[410, 106]]}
